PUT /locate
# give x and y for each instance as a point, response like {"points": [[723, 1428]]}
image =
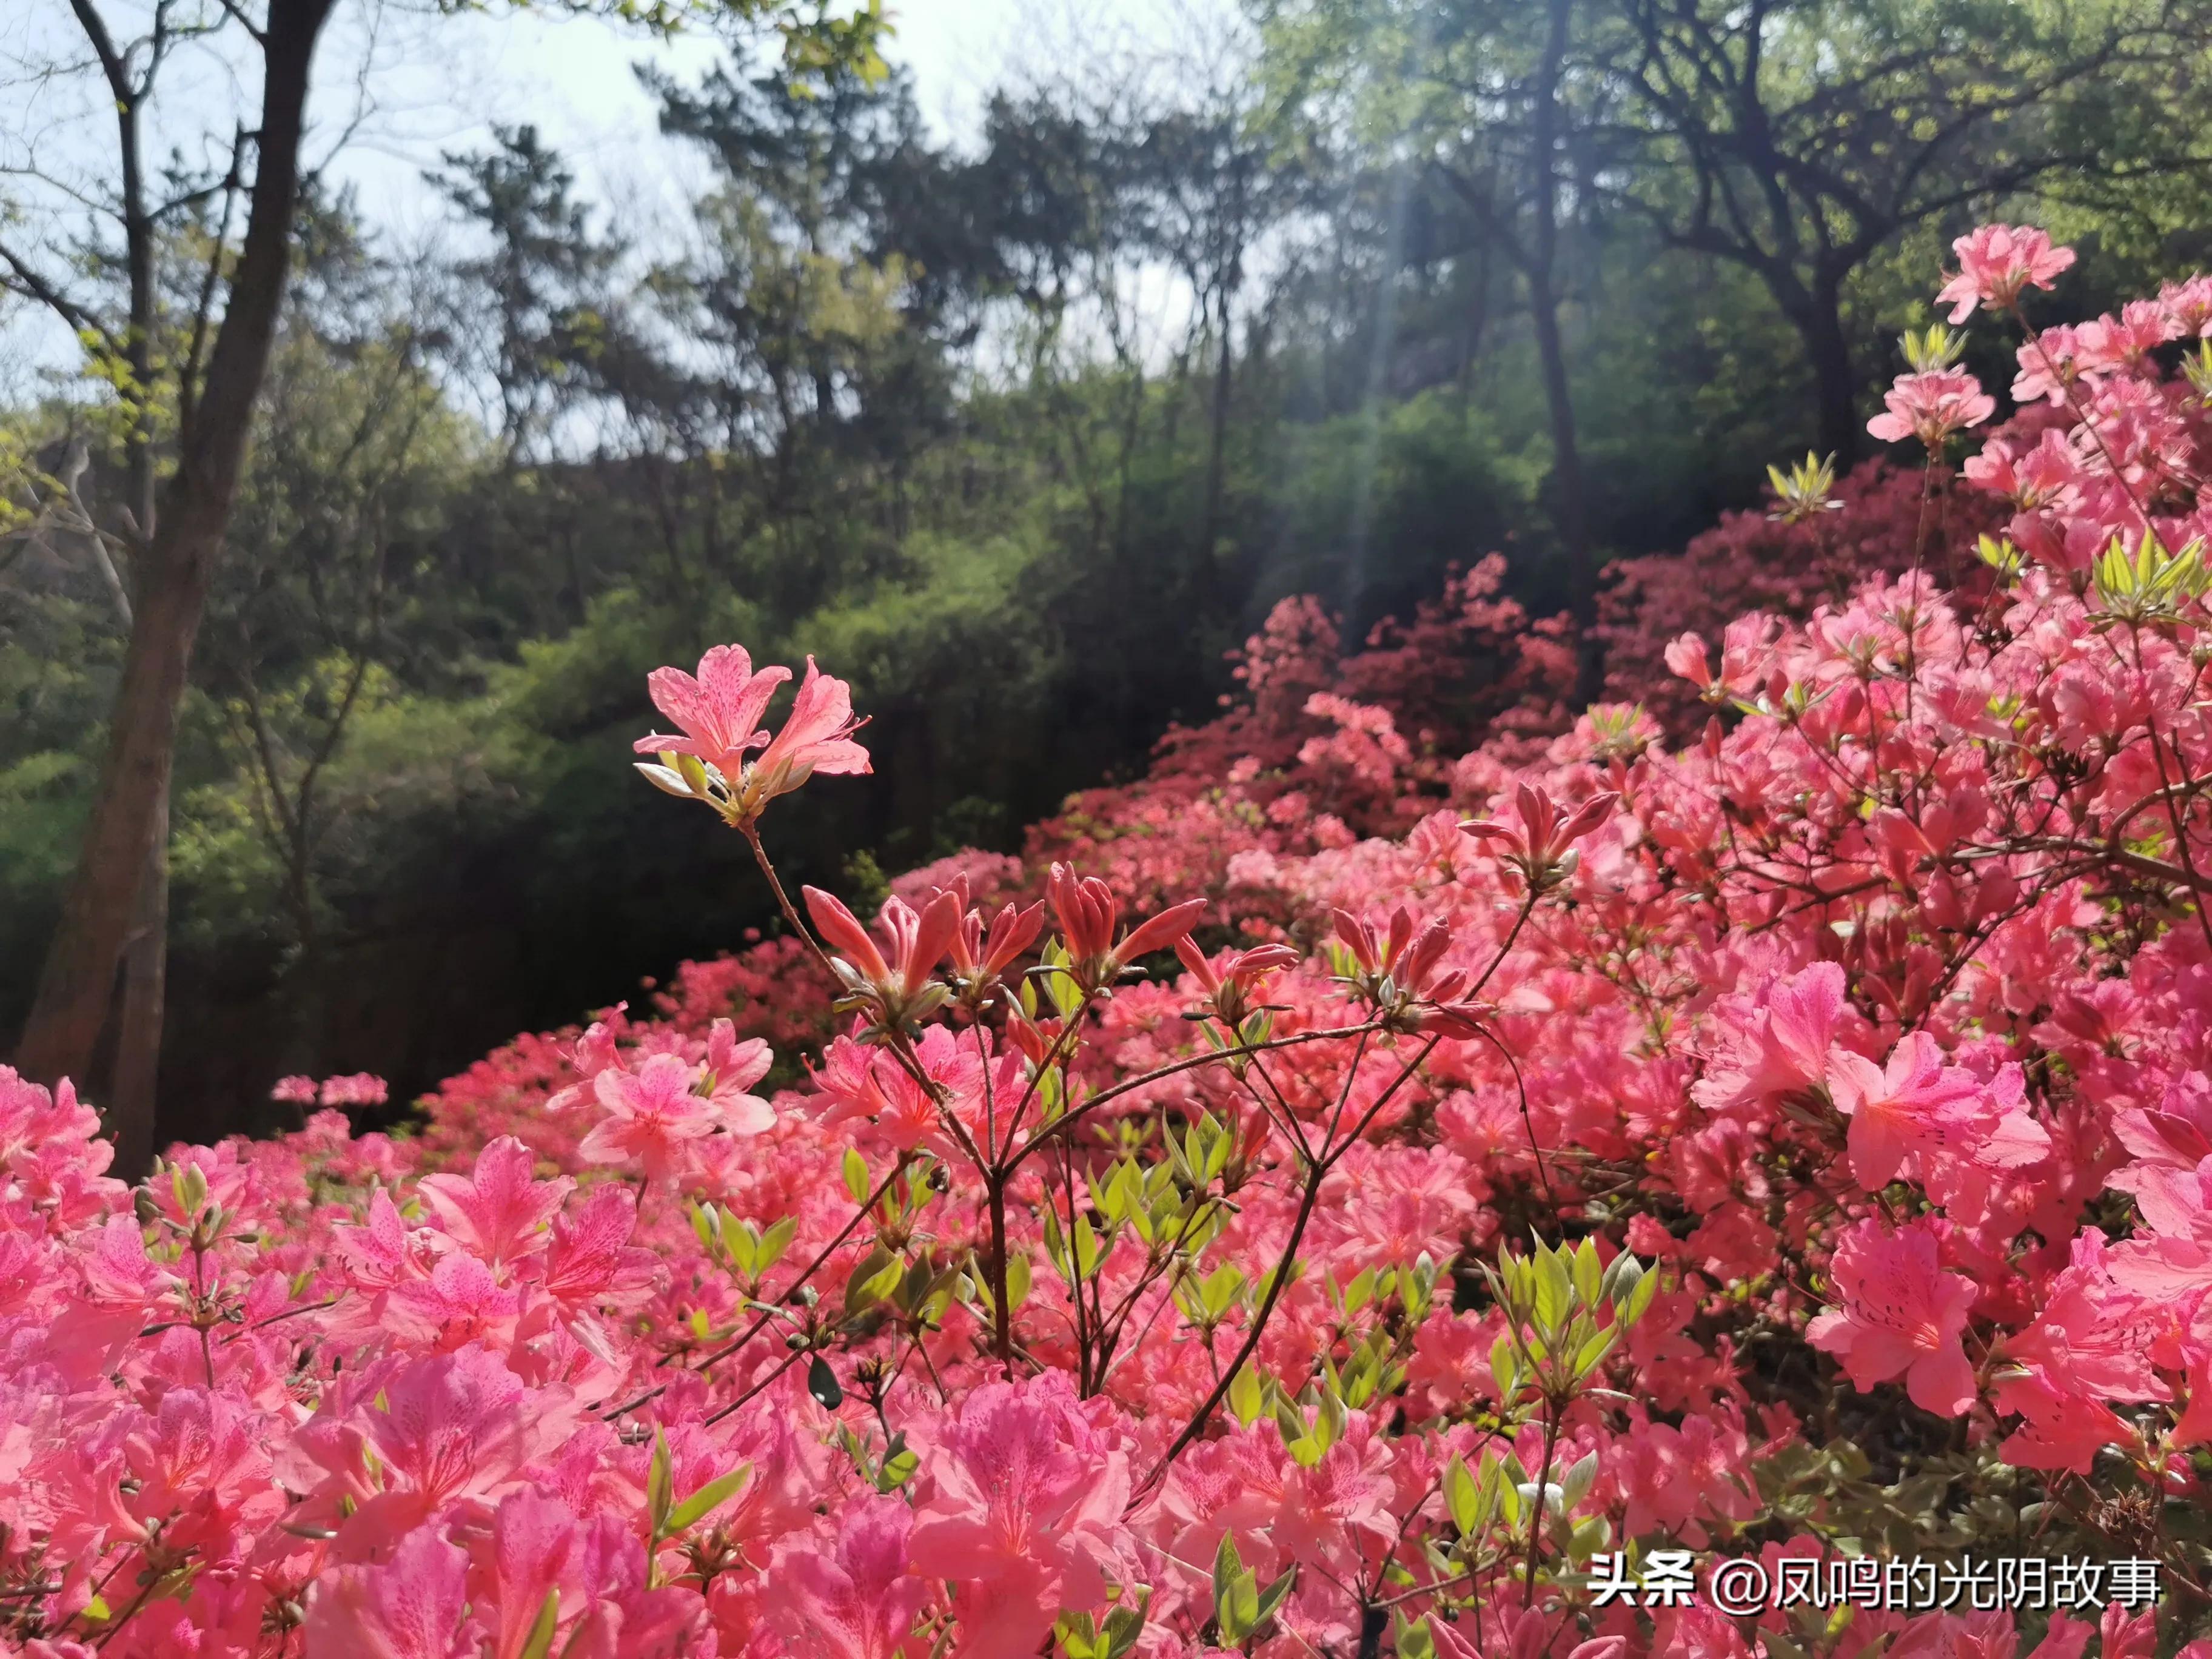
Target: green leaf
{"points": [[898, 1468], [856, 1176], [659, 1485], [1575, 1484], [1274, 1595], [1639, 1299], [1360, 1291], [1246, 1399], [742, 1240], [1079, 1637], [1086, 1247], [539, 1642], [1462, 1497], [1554, 1290], [776, 1240], [1219, 1289], [822, 1382], [1123, 1625], [1592, 1353], [875, 1277], [1504, 1369], [1235, 1594], [1587, 1273], [715, 1493]]}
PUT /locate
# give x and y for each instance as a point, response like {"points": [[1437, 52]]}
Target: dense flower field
{"points": [[1409, 1168]]}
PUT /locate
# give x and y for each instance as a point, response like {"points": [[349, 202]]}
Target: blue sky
{"points": [[399, 85]]}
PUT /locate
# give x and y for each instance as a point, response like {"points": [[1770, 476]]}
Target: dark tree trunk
{"points": [[136, 1086], [1217, 446], [176, 567], [1570, 511], [1835, 384], [1815, 310]]}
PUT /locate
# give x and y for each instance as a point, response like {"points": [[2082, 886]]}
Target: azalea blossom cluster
{"points": [[1318, 1200]]}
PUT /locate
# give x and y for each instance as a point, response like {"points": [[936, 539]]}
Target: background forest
{"points": [[1023, 434]]}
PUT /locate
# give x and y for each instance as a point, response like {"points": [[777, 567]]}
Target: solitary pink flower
{"points": [[1898, 1313], [1406, 953], [981, 955], [456, 1427], [1996, 262], [591, 1261], [719, 711], [532, 1553], [1779, 1041], [1931, 407], [1916, 1104], [459, 1303], [1685, 656], [732, 1068]]}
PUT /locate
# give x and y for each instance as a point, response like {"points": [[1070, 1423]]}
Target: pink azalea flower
{"points": [[898, 986], [1087, 912], [461, 1302], [1923, 1109], [1898, 1314], [1996, 263], [452, 1429], [1781, 1043], [817, 738], [535, 1550], [1021, 1505], [718, 710], [652, 1112], [1931, 407], [1918, 1106], [591, 1261], [499, 1210], [415, 1606], [855, 1598]]}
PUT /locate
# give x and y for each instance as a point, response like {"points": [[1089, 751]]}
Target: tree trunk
{"points": [[1570, 512], [129, 806], [1835, 384], [1216, 464], [135, 1092]]}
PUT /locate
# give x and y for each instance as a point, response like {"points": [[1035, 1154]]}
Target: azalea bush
{"points": [[1419, 1162]]}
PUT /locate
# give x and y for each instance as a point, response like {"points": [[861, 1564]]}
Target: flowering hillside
{"points": [[1420, 1173]]}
